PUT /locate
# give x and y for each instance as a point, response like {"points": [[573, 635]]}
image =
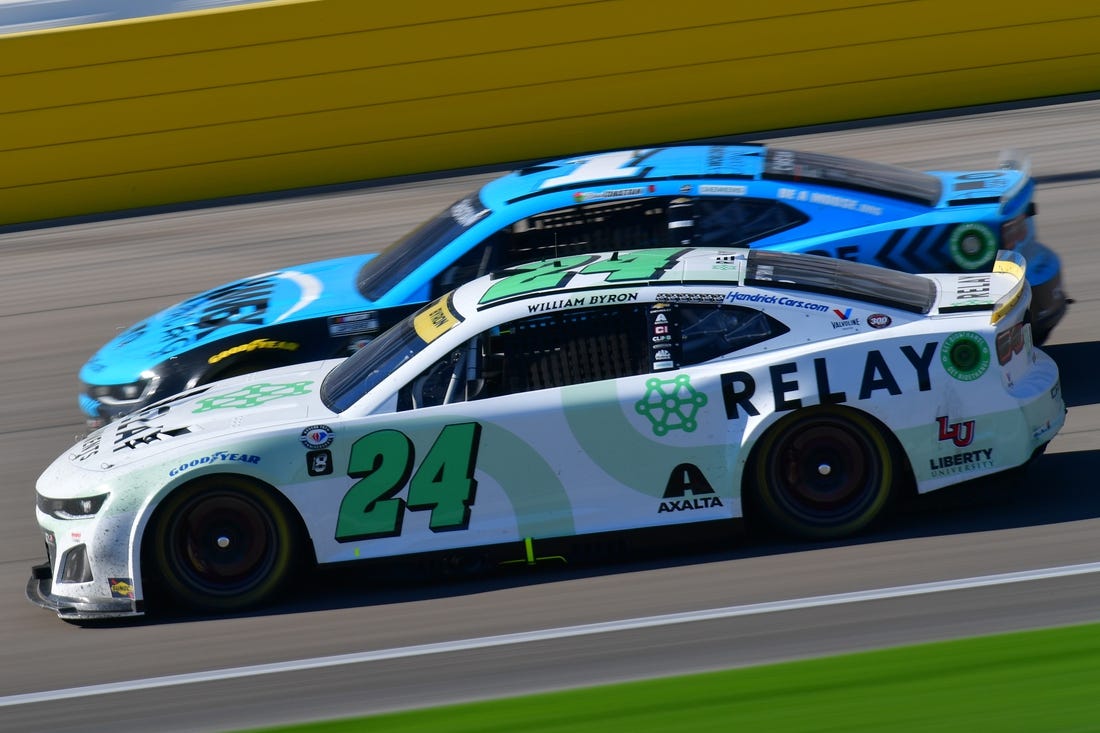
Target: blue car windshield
{"points": [[401, 258], [363, 370]]}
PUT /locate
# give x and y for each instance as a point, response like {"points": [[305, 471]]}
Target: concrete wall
{"points": [[282, 95]]}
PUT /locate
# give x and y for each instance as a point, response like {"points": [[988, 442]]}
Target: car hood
{"points": [[317, 289], [211, 415]]}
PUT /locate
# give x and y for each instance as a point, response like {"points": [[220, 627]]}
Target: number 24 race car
{"points": [[721, 195], [581, 395]]}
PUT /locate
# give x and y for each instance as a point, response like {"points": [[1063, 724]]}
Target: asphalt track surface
{"points": [[65, 290]]}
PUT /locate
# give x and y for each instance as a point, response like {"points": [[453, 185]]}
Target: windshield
{"points": [[397, 261], [362, 371]]}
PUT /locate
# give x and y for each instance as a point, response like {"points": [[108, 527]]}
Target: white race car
{"points": [[585, 394]]}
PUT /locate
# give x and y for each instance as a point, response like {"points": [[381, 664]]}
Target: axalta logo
{"points": [[685, 479]]}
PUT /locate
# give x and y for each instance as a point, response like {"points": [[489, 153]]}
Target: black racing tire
{"points": [[223, 544], [824, 473]]}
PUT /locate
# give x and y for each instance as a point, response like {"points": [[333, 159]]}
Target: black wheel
{"points": [[823, 473], [223, 544]]}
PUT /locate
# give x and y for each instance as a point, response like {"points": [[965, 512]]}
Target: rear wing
{"points": [[1014, 160], [991, 290], [1013, 264]]}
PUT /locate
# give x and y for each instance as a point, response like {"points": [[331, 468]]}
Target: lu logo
{"points": [[960, 433]]}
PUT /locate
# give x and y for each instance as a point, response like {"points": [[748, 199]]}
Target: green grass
{"points": [[1040, 681]]}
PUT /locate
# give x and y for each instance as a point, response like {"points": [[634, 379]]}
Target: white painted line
{"points": [[564, 632]]}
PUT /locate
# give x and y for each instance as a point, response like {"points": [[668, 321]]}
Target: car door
{"points": [[564, 422], [586, 423]]}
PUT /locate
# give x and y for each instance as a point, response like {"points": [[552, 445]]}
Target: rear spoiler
{"points": [[1009, 263], [1011, 159]]}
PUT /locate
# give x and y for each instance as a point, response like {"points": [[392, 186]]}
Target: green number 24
{"points": [[383, 460], [636, 266]]}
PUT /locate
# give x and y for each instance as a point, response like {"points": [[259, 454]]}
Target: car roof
{"points": [[717, 163], [728, 267]]}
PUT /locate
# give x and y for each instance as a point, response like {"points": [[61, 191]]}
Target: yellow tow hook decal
{"points": [[530, 559]]}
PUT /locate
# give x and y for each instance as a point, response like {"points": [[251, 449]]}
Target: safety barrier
{"points": [[289, 94]]}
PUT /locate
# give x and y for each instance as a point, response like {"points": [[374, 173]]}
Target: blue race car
{"points": [[718, 195]]}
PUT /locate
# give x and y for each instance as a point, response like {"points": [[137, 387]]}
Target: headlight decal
{"points": [[83, 507]]}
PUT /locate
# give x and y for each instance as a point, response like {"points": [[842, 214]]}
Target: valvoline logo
{"points": [[844, 319]]}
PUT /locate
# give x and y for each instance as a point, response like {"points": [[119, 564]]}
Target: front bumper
{"points": [[98, 413], [40, 593], [87, 573], [103, 403]]}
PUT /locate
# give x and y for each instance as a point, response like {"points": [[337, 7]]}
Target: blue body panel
{"points": [[315, 289], [848, 209]]}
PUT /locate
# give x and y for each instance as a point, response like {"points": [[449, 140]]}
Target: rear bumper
{"points": [[1048, 297], [1048, 306]]}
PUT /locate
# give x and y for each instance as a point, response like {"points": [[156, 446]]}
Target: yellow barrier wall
{"points": [[290, 94]]}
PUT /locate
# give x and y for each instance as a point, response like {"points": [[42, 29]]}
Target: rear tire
{"points": [[824, 473], [223, 543]]}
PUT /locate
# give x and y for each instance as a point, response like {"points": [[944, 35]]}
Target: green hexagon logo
{"points": [[671, 404], [252, 395]]}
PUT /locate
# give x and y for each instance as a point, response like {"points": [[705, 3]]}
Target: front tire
{"points": [[224, 544], [824, 473]]}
